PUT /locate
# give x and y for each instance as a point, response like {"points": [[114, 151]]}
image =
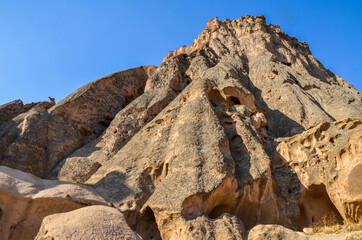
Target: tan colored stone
{"points": [[95, 222], [35, 141], [97, 102], [25, 200], [161, 88], [327, 159], [276, 232]]}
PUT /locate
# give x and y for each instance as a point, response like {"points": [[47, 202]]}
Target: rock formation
{"points": [[241, 129], [328, 161], [25, 200], [95, 222]]}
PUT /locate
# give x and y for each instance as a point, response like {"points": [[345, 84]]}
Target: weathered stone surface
{"points": [[209, 181], [12, 109], [225, 227], [276, 232], [286, 79], [161, 88], [327, 159], [97, 102], [95, 222], [35, 141], [25, 200]]}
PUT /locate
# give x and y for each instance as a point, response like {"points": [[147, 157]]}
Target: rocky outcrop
{"points": [[189, 150], [160, 89], [36, 140], [97, 102], [95, 222], [285, 78], [166, 165], [327, 159], [25, 200], [220, 117], [12, 109]]}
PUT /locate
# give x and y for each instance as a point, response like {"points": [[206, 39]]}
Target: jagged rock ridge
{"points": [[188, 150]]}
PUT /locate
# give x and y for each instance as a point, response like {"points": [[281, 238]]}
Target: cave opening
{"points": [[146, 225], [235, 100], [315, 204]]}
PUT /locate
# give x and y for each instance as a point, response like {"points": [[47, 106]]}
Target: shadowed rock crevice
{"points": [[314, 205], [145, 225], [279, 124]]}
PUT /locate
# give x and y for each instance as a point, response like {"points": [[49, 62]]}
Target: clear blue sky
{"points": [[52, 47]]}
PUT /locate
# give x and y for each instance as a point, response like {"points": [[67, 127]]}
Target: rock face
{"points": [[95, 222], [37, 139], [98, 102], [328, 161], [12, 109], [25, 200], [205, 146]]}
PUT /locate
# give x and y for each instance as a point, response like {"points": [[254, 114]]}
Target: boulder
{"points": [[25, 200], [95, 222]]}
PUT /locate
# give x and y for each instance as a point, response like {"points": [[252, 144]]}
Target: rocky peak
{"points": [[229, 35]]}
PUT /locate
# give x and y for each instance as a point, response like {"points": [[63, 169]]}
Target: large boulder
{"points": [[12, 109], [35, 141], [25, 200], [95, 222]]}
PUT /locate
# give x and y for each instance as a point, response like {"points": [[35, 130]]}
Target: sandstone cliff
{"points": [[240, 130]]}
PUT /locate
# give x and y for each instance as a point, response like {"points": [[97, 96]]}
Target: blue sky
{"points": [[51, 48]]}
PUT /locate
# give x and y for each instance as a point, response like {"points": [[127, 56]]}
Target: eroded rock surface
{"points": [[328, 161], [97, 102], [95, 222], [277, 232], [12, 109], [37, 139], [25, 200], [210, 150], [160, 89]]}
